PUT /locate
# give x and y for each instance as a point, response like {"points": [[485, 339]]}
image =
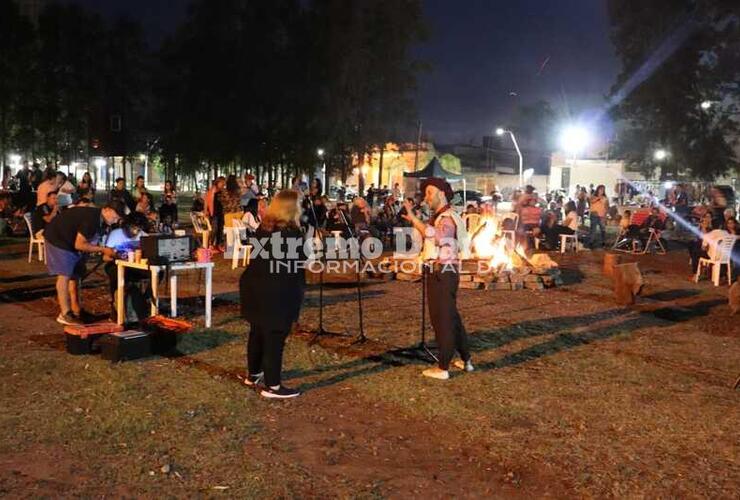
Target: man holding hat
{"points": [[69, 237], [445, 241]]}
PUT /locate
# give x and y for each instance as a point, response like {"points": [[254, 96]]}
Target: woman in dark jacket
{"points": [[271, 293]]}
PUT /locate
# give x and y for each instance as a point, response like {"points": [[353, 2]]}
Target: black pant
{"points": [[552, 235], [695, 253], [265, 352], [449, 331], [217, 224]]}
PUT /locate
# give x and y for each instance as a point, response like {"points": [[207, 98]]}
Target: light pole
{"points": [[500, 131], [320, 154]]}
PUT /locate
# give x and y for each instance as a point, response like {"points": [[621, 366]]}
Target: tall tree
{"points": [[17, 50], [676, 55]]}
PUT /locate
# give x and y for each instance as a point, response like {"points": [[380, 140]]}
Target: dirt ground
{"points": [[573, 396]]}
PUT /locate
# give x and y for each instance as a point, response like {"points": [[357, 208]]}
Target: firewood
{"points": [[627, 283]]}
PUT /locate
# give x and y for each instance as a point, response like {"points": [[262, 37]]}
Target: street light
{"points": [[660, 154], [320, 154], [705, 105], [574, 139], [501, 131]]}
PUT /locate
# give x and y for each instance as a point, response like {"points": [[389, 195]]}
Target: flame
{"points": [[490, 244]]}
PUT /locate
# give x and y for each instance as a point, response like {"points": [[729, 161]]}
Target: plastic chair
{"points": [[722, 256], [236, 230], [33, 240], [565, 238]]}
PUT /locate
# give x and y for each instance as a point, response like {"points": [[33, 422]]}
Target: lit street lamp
{"points": [[500, 131], [705, 105], [660, 154], [320, 154]]}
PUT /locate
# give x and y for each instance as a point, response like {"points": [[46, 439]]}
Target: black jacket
{"points": [[271, 296]]}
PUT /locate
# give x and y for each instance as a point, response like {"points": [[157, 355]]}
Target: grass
{"points": [[571, 393]]}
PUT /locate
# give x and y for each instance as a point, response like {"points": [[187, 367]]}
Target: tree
{"points": [[17, 49], [677, 54]]}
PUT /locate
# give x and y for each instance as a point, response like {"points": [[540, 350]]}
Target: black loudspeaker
{"points": [[165, 249], [125, 346]]}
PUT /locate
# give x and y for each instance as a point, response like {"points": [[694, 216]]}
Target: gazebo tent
{"points": [[434, 169]]}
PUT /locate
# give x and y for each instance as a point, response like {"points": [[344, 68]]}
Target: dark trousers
{"points": [[265, 352], [552, 235], [695, 253], [449, 331], [597, 222], [217, 224]]}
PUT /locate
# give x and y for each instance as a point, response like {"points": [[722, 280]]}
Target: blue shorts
{"points": [[61, 262]]}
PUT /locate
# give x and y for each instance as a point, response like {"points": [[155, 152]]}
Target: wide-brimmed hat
{"points": [[440, 184]]}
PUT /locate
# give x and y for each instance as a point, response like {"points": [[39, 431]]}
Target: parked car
{"points": [[470, 196]]}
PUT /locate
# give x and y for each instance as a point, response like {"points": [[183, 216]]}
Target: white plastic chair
{"points": [[722, 256], [33, 240], [237, 229], [565, 238]]}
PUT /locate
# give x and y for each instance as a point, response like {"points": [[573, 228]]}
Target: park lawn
{"points": [[572, 397]]}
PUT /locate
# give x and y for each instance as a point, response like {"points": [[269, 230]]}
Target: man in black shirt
{"points": [[44, 213], [120, 194], [69, 236]]}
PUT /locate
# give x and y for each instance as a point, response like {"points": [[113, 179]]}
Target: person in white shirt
{"points": [[253, 216]]}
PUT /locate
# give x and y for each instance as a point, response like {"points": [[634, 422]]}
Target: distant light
{"points": [[15, 159], [500, 131], [705, 105], [668, 184], [660, 154], [574, 139], [100, 163], [320, 152], [142, 157], [111, 170]]}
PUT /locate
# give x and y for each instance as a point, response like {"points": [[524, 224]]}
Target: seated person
{"points": [[337, 219], [199, 203], [11, 218], [44, 213], [252, 218], [696, 246], [168, 212], [145, 206], [551, 230], [529, 222], [124, 240]]}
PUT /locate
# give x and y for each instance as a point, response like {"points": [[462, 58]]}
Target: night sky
{"points": [[480, 51]]}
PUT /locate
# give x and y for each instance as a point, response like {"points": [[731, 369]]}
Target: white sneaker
{"points": [[437, 373], [463, 365], [252, 380]]}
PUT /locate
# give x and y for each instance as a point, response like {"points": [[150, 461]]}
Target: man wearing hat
{"points": [[69, 237], [445, 237]]}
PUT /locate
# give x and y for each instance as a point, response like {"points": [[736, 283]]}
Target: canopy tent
{"points": [[434, 169]]}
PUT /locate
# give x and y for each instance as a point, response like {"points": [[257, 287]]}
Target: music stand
{"points": [[321, 331], [361, 338], [420, 351]]}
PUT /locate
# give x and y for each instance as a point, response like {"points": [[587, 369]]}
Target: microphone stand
{"points": [[361, 338], [321, 331]]}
